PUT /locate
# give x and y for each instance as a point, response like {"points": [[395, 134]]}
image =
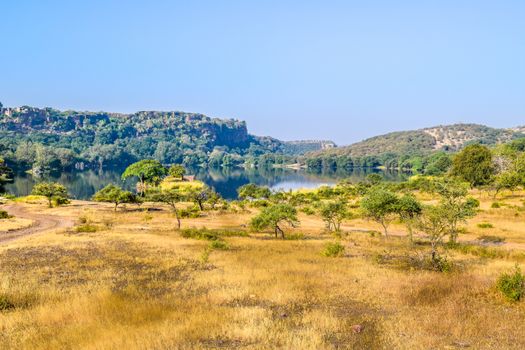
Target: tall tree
{"points": [[474, 165]]}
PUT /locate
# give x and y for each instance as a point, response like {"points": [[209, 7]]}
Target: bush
{"points": [[495, 205], [485, 225], [512, 284], [221, 245], [4, 215], [192, 212], [5, 303], [211, 235], [308, 211], [333, 249], [86, 228]]}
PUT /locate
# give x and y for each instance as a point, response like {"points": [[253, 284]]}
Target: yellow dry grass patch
{"points": [[135, 283], [14, 224]]}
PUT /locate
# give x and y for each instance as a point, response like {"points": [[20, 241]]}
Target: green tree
{"points": [[53, 191], [274, 217], [202, 196], [434, 221], [116, 195], [457, 203], [170, 197], [177, 171], [380, 206], [409, 209], [474, 165], [333, 214], [6, 173], [507, 180], [148, 171], [252, 191]]}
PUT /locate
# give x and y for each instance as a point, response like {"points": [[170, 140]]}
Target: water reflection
{"points": [[83, 184]]}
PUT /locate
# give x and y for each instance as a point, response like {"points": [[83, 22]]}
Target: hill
{"points": [[393, 149], [54, 138]]}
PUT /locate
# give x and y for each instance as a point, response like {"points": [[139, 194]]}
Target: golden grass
{"points": [[135, 283], [14, 224]]}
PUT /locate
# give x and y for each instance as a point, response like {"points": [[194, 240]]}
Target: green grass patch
{"points": [[485, 225]]}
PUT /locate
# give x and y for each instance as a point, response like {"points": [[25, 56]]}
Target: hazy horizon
{"points": [[340, 70]]}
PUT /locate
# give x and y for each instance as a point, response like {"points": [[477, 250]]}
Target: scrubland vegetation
{"points": [[428, 263]]}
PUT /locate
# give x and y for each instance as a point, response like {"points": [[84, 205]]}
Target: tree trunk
{"points": [[116, 205], [177, 216], [385, 229]]}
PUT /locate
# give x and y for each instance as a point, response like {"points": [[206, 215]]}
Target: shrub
{"points": [[211, 235], [495, 205], [485, 225], [333, 249], [86, 228], [4, 215], [5, 303], [512, 284], [308, 211], [221, 245], [491, 239], [192, 212]]}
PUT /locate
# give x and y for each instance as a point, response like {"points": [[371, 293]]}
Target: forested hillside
{"points": [[49, 138], [410, 149]]}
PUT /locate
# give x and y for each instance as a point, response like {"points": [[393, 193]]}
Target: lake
{"points": [[83, 184]]}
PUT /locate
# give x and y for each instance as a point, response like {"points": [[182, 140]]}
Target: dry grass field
{"points": [[129, 280]]}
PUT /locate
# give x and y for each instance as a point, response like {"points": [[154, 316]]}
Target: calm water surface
{"points": [[83, 184]]}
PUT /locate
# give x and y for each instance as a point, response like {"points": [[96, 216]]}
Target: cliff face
{"points": [[113, 126]]}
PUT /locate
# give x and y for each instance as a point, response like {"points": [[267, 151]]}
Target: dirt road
{"points": [[41, 223]]}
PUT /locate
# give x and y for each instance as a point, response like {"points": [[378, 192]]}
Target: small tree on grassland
{"points": [[333, 214], [171, 197], [116, 195], [380, 206], [53, 191], [177, 171], [274, 217], [435, 223], [148, 171], [455, 200], [409, 209]]}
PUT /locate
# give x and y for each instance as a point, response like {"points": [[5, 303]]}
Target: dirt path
{"points": [[41, 223]]}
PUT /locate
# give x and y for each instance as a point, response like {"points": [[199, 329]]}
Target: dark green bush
{"points": [[512, 284], [4, 215], [495, 205]]}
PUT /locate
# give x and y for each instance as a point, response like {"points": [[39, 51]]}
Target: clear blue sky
{"points": [[341, 70]]}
